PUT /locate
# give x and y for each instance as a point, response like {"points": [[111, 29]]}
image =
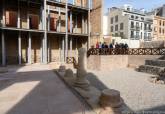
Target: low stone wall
{"points": [[153, 44], [110, 62], [137, 60]]}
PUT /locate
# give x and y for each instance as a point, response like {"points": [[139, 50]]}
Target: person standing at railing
{"points": [[103, 45], [97, 45], [100, 45], [111, 46]]}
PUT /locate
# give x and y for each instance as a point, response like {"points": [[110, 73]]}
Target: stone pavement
{"points": [[36, 89], [138, 93]]}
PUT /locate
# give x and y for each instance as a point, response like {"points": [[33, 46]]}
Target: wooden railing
{"points": [[123, 51], [72, 60], [119, 51]]}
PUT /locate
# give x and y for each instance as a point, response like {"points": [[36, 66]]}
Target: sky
{"points": [[146, 4]]}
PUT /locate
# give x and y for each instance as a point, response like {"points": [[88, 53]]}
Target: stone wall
{"points": [[96, 21], [137, 60], [96, 62], [110, 62], [153, 44]]}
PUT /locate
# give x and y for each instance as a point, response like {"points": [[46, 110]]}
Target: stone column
{"points": [[81, 81]]}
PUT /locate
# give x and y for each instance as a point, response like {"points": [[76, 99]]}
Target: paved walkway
{"points": [[36, 89], [138, 93]]}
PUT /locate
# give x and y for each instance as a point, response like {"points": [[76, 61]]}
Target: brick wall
{"points": [[96, 20], [36, 45], [54, 52]]}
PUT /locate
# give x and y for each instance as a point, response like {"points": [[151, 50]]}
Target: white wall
{"points": [[131, 43], [105, 25]]}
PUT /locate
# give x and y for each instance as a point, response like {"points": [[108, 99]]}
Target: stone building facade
{"points": [[44, 31]]}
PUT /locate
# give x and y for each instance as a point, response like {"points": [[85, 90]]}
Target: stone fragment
{"points": [[62, 68], [110, 98], [69, 73]]}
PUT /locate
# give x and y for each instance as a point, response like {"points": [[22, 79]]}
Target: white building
{"points": [[106, 31], [131, 24]]}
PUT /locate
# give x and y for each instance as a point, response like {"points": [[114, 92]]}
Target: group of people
{"points": [[111, 45]]}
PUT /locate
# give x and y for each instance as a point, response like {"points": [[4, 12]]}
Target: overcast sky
{"points": [[146, 4]]}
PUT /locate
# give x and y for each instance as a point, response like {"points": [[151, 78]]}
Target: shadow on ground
{"points": [[50, 95]]}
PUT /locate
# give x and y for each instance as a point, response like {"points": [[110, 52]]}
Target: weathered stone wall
{"points": [[153, 44], [96, 21], [137, 60], [54, 48], [96, 62], [35, 51], [110, 62]]}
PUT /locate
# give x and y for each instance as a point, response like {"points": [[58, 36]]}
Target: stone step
{"points": [[162, 58], [150, 69], [159, 63]]}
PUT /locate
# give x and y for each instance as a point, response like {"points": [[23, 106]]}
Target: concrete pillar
{"points": [[18, 21], [19, 49], [63, 50], [76, 25], [83, 23], [41, 17], [28, 21], [29, 49], [3, 49], [49, 50], [71, 22], [59, 24], [48, 18], [3, 14], [45, 54], [41, 49], [76, 53], [66, 28], [89, 25], [71, 46]]}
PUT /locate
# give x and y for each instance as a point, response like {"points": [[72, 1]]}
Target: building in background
{"points": [[43, 31], [96, 21], [131, 24], [158, 16], [106, 32]]}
